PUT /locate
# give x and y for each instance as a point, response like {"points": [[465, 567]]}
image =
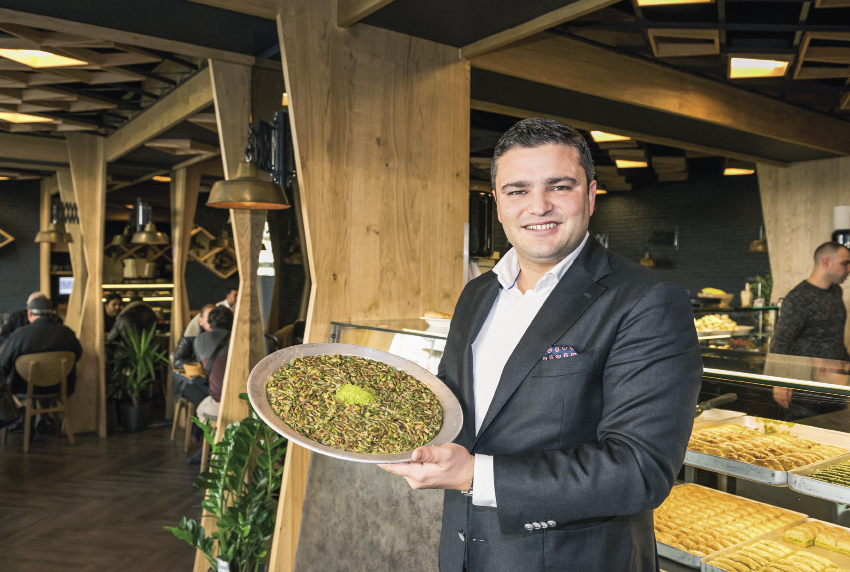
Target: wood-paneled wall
{"points": [[380, 125], [797, 202]]}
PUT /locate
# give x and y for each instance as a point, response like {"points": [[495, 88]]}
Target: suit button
{"points": [[461, 536], [544, 525], [552, 523], [529, 527], [536, 525]]}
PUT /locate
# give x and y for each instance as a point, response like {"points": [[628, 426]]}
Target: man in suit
{"points": [[578, 373]]}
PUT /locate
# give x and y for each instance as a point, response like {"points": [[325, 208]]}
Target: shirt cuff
{"points": [[484, 488]]}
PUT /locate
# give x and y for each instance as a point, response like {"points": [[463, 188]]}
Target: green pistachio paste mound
{"points": [[355, 395]]}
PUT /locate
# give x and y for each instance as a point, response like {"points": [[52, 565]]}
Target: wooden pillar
{"points": [[797, 202], [185, 184], [48, 186], [380, 125], [88, 170], [75, 249]]}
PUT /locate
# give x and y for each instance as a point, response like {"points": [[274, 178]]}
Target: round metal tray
{"points": [[452, 414]]}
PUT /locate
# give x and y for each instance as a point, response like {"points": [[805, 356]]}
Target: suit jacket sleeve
{"points": [[651, 380]]}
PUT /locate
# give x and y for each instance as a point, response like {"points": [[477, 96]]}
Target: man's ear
{"points": [[591, 192], [496, 200]]}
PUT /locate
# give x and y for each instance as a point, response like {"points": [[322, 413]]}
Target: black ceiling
{"points": [[177, 20]]}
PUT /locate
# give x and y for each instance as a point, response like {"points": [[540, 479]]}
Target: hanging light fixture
{"points": [[55, 232], [122, 238], [759, 245], [247, 190], [149, 234]]}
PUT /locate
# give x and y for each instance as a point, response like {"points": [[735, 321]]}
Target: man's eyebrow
{"points": [[515, 185], [563, 179]]}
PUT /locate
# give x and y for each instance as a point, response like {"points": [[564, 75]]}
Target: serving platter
{"points": [[776, 535], [799, 480], [452, 413]]}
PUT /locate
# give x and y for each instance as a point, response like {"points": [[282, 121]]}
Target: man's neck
{"points": [[819, 280], [531, 273]]}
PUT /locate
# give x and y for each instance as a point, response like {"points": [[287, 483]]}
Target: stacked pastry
{"points": [[779, 452], [836, 474], [702, 521], [819, 534], [769, 556]]}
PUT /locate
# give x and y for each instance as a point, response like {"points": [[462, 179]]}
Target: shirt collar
{"points": [[507, 270]]}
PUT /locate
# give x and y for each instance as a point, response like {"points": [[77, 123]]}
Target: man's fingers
{"points": [[426, 455]]}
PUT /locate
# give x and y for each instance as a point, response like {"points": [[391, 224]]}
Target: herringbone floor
{"points": [[97, 506]]}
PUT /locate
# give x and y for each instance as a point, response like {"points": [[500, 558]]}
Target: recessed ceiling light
{"points": [[747, 67], [4, 178], [665, 2], [284, 101], [39, 59], [602, 137], [22, 118], [162, 179], [733, 171], [601, 192], [624, 164]]}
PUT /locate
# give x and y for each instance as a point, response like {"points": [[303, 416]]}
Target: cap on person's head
{"points": [[40, 306]]}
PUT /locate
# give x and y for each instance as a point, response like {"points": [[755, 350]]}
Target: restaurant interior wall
{"points": [[202, 285], [717, 219], [19, 260]]}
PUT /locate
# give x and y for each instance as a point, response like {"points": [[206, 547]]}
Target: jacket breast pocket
{"points": [[580, 363]]}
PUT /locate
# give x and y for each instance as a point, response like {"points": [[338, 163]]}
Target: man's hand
{"points": [[782, 396], [445, 467]]}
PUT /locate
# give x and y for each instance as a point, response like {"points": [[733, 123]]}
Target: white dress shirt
{"points": [[509, 318]]}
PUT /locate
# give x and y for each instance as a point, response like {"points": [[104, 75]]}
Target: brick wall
{"points": [[19, 260]]}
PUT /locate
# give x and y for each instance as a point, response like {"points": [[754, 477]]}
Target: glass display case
{"points": [[735, 339], [788, 418]]}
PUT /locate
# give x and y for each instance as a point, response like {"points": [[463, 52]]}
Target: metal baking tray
{"points": [[452, 414], [694, 561], [716, 416], [798, 480], [836, 557], [755, 473]]}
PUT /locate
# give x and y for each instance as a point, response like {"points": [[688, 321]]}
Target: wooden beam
{"points": [[349, 12], [75, 251], [45, 213], [293, 491], [587, 126], [42, 150], [121, 36], [541, 23], [88, 169], [577, 66], [184, 101]]}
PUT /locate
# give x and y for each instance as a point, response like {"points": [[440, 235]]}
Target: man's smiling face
{"points": [[543, 201]]}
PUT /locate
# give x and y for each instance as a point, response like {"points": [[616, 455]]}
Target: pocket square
{"points": [[558, 352]]}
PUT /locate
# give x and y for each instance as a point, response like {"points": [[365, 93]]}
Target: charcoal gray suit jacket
{"points": [[591, 442]]}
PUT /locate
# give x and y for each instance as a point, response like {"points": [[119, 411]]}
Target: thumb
{"points": [[426, 455]]}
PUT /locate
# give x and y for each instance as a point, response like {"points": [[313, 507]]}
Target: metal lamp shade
{"points": [[759, 245], [122, 238], [247, 191], [150, 236], [55, 233]]}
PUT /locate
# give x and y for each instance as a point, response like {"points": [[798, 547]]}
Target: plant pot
{"points": [[134, 419]]}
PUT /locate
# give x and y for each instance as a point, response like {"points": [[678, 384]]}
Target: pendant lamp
{"points": [[55, 232], [759, 245], [247, 190], [122, 238], [150, 236]]}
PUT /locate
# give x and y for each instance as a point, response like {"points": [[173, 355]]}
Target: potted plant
{"points": [[134, 358], [245, 472]]}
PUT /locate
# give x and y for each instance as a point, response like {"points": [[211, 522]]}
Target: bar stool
{"points": [[183, 404], [46, 369]]}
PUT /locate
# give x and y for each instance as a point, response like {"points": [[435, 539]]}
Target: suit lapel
{"points": [[482, 304], [574, 293]]}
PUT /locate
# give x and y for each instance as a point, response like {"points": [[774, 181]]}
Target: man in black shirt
{"points": [[16, 320], [812, 320], [43, 334]]}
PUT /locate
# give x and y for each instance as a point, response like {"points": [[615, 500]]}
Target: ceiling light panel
{"points": [[22, 118], [748, 67], [39, 59], [625, 164], [734, 171], [666, 2], [602, 137]]}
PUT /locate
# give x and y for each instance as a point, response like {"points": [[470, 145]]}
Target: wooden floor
{"points": [[97, 506]]}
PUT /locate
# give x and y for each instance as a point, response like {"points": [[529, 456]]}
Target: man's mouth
{"points": [[545, 226]]}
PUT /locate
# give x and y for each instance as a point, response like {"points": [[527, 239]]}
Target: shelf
{"points": [[201, 251], [61, 272]]}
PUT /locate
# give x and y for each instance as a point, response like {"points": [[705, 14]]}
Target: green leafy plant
{"points": [[134, 358], [766, 283], [240, 494]]}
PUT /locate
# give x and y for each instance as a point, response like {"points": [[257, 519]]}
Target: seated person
{"points": [[43, 334], [111, 309], [230, 296], [196, 324], [184, 352], [136, 313], [17, 320], [211, 349]]}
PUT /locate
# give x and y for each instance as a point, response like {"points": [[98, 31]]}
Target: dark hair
{"points": [[220, 318], [112, 297], [230, 289], [535, 132], [827, 249]]}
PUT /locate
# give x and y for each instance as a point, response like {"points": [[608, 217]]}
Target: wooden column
{"points": [[185, 184], [380, 125], [88, 169], [797, 202], [75, 249], [48, 186]]}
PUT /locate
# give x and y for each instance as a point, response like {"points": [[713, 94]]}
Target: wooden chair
{"points": [[183, 404], [43, 370]]}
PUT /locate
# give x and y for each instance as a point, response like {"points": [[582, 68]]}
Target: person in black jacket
{"points": [[16, 320], [43, 334], [136, 313]]}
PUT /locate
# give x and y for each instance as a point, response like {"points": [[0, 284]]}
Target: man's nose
{"points": [[540, 203]]}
